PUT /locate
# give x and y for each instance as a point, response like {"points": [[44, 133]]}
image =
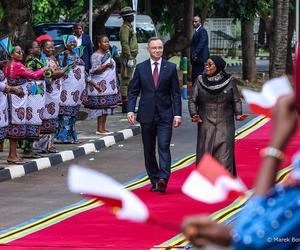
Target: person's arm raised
{"points": [[284, 125]]}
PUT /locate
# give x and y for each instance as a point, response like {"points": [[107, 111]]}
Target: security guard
{"points": [[129, 52]]}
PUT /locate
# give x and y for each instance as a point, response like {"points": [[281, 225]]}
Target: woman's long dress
{"points": [[73, 86], [19, 75], [103, 102], [216, 131], [3, 108]]}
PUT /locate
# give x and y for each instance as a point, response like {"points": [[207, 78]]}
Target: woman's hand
{"points": [[196, 119], [241, 117], [201, 230], [46, 68], [109, 65], [18, 91]]}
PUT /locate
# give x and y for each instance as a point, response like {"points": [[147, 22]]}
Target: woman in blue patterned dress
{"points": [[73, 86], [103, 92]]}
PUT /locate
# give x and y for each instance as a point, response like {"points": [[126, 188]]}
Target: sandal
{"points": [[16, 162], [52, 150], [32, 156]]}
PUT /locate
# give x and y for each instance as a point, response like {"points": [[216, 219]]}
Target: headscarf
{"points": [[42, 38], [216, 83], [68, 39]]}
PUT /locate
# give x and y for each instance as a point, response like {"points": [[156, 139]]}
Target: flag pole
{"points": [[91, 19], [134, 7]]}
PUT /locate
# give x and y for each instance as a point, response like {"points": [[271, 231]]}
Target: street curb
{"points": [[228, 65], [15, 171], [240, 58]]}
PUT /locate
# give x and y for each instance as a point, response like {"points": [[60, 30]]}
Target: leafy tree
{"points": [[16, 20], [246, 11]]}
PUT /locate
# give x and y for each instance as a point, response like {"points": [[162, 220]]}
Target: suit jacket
{"points": [[199, 46], [165, 99], [87, 52]]}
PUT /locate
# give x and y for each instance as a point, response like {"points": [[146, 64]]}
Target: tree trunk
{"points": [[291, 28], [187, 21], [179, 40], [248, 50], [267, 20], [147, 7], [279, 43], [100, 16], [17, 20]]}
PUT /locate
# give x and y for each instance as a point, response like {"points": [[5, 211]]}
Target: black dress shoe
{"points": [[154, 188], [162, 186]]}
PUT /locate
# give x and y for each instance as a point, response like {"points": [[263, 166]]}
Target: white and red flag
{"points": [[263, 102], [91, 183], [210, 182]]}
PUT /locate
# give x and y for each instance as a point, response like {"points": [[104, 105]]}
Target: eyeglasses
{"points": [[209, 64], [20, 52], [50, 48]]}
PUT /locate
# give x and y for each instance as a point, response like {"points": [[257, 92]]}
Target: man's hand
{"points": [[131, 118], [176, 122]]}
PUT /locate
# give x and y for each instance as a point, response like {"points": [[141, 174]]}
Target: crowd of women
{"points": [[42, 92]]}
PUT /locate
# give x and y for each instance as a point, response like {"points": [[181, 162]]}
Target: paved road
{"points": [[261, 65], [41, 192]]}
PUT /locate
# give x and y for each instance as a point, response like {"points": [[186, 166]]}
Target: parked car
{"points": [[55, 30], [145, 29]]}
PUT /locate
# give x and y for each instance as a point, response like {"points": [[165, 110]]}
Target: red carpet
{"points": [[99, 229]]}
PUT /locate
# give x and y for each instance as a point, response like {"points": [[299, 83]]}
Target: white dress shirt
{"points": [[79, 40], [153, 65]]}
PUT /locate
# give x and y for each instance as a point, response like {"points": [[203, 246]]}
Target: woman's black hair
{"points": [[98, 39], [27, 46], [44, 42]]}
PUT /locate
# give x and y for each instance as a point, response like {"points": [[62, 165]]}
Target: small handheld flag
{"points": [[211, 182]]}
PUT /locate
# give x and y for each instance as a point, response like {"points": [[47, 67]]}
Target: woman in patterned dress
{"points": [[18, 75], [52, 99], [4, 89], [73, 86], [103, 93], [35, 100]]}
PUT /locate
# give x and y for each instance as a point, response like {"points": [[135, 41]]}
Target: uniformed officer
{"points": [[129, 52]]}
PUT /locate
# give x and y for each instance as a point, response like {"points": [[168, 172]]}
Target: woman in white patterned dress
{"points": [[103, 92], [73, 86]]}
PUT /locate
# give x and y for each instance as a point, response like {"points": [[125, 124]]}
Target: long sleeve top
{"points": [[15, 71]]}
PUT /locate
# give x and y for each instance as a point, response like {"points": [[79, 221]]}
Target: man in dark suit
{"points": [[199, 48], [156, 81], [84, 40]]}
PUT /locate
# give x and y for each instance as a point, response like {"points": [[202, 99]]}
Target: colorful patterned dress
{"points": [[3, 108], [53, 91], [51, 110], [104, 102], [72, 92], [18, 75], [35, 102]]}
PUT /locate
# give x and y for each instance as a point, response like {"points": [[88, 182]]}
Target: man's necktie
{"points": [[155, 74]]}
